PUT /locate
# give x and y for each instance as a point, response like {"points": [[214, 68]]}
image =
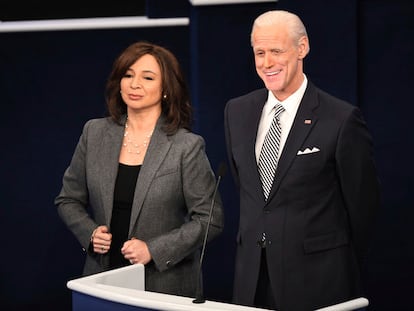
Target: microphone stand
{"points": [[199, 290]]}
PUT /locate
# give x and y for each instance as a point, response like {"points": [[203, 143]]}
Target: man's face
{"points": [[278, 59]]}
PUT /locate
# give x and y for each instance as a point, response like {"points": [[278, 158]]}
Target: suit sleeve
{"points": [[358, 178], [227, 133]]}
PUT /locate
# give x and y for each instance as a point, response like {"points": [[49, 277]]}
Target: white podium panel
{"points": [[355, 304], [123, 289]]}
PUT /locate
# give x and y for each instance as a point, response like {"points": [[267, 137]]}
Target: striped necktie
{"points": [[269, 154]]}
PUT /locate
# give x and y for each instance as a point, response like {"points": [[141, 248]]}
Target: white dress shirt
{"points": [[291, 105]]}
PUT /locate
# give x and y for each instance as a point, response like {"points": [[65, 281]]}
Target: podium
{"points": [[123, 289]]}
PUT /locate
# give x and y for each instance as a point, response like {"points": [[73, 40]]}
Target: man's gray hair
{"points": [[292, 21]]}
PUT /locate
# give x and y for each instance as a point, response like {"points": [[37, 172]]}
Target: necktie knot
{"points": [[278, 110]]}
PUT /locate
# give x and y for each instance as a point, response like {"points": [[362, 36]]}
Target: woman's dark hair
{"points": [[175, 99]]}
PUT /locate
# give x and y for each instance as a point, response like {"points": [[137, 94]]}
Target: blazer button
{"points": [[168, 263], [262, 242]]}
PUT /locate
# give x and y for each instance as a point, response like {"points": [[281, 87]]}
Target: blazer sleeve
{"points": [[198, 184], [72, 201]]}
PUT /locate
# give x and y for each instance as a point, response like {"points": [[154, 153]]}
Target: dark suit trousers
{"points": [[264, 296]]}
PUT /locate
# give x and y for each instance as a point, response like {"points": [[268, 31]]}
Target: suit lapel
{"points": [[254, 116], [300, 129], [156, 153]]}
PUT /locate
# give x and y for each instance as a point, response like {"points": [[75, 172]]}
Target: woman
{"points": [[139, 186]]}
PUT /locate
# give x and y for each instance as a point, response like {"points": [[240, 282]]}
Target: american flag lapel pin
{"points": [[308, 121]]}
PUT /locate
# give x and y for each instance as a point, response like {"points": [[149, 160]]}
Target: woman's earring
{"points": [[164, 96]]}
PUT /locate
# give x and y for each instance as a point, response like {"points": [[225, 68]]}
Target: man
{"points": [[304, 230]]}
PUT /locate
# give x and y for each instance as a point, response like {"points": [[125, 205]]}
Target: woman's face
{"points": [[141, 86]]}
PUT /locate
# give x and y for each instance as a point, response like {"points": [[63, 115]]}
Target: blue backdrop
{"points": [[51, 82]]}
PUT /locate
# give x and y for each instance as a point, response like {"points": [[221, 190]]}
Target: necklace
{"points": [[133, 147]]}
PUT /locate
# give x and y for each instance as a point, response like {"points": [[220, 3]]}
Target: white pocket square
{"points": [[308, 150]]}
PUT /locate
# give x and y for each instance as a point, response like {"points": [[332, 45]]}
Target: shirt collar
{"points": [[291, 103]]}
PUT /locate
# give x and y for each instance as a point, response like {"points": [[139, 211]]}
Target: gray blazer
{"points": [[171, 206]]}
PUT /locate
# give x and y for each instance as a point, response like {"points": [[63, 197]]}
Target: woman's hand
{"points": [[101, 240], [136, 251]]}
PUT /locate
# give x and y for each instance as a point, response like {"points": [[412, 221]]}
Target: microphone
{"points": [[199, 291]]}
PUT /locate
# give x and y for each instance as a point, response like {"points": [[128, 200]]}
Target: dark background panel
{"points": [[386, 86], [163, 8]]}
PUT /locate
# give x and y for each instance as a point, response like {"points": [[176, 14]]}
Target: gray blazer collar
{"points": [[156, 153], [109, 163]]}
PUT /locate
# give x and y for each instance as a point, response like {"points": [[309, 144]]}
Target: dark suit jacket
{"points": [[171, 204], [321, 208]]}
